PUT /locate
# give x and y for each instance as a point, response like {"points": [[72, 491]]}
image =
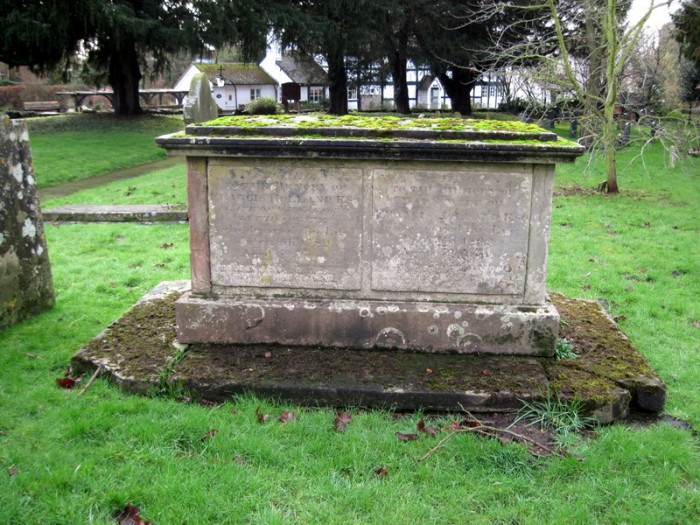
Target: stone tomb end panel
{"points": [[461, 231], [285, 225]]}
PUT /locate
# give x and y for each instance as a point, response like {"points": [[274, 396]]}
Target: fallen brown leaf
{"points": [[129, 515], [341, 421], [287, 415], [431, 431], [261, 417], [209, 434], [67, 382], [407, 437]]}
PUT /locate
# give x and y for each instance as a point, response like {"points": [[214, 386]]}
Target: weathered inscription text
{"points": [[435, 231], [300, 227]]}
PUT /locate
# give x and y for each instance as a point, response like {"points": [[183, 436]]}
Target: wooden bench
{"points": [[43, 105]]}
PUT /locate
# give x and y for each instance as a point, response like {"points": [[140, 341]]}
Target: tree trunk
{"points": [[401, 100], [459, 88], [610, 27], [124, 77], [611, 172], [398, 59], [338, 83], [608, 142]]}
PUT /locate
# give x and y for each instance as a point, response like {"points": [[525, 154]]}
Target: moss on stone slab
{"points": [[600, 398], [606, 352], [372, 122], [137, 351]]}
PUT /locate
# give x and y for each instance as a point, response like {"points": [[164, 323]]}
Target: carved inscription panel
{"points": [[452, 232], [285, 226]]}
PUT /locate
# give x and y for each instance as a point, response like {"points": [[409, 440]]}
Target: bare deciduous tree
{"points": [[589, 47]]}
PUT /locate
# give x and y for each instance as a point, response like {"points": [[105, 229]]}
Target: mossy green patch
{"points": [[138, 346], [607, 358], [373, 122], [602, 347]]}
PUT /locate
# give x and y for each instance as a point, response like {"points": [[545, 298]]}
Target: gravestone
{"points": [[624, 138], [573, 128], [200, 105], [431, 237], [26, 286]]}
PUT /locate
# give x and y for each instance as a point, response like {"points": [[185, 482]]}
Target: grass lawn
{"points": [[165, 186], [76, 459], [77, 146]]}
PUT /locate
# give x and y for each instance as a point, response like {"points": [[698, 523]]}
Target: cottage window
{"points": [[315, 94], [254, 93]]}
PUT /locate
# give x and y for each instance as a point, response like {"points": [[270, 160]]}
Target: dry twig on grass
{"points": [[89, 383]]}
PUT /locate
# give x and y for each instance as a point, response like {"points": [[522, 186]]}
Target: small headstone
{"points": [[624, 139], [573, 128], [200, 105], [26, 286], [673, 156]]}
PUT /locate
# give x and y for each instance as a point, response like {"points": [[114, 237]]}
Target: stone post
{"points": [[200, 105], [26, 286]]}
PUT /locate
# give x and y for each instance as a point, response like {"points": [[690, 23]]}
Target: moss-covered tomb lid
{"points": [[361, 136]]}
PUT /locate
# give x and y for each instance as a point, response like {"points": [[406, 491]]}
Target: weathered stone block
{"points": [[346, 240], [429, 327], [26, 286], [200, 105]]}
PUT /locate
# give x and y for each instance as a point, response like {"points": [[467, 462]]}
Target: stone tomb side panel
{"points": [[461, 231], [285, 225]]}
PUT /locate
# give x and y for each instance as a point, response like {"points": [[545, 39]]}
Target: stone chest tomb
{"points": [[370, 232]]}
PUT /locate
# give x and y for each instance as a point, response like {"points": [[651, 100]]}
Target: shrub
{"points": [[262, 106], [11, 96]]}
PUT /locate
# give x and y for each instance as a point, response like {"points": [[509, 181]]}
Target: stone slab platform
{"points": [[140, 353], [142, 213], [425, 327]]}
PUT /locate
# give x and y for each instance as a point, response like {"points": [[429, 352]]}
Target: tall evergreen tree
{"points": [[118, 35], [687, 22], [460, 39], [334, 29]]}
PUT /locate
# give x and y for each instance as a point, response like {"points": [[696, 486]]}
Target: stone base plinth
{"points": [[416, 326], [140, 354]]}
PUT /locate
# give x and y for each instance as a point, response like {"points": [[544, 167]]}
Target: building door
{"points": [[434, 98]]}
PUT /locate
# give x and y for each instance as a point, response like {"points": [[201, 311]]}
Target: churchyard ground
{"points": [[66, 458]]}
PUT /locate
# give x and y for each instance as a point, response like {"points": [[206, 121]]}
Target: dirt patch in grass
{"points": [[569, 191]]}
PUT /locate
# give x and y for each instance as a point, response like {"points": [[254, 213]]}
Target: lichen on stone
{"points": [[389, 123]]}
